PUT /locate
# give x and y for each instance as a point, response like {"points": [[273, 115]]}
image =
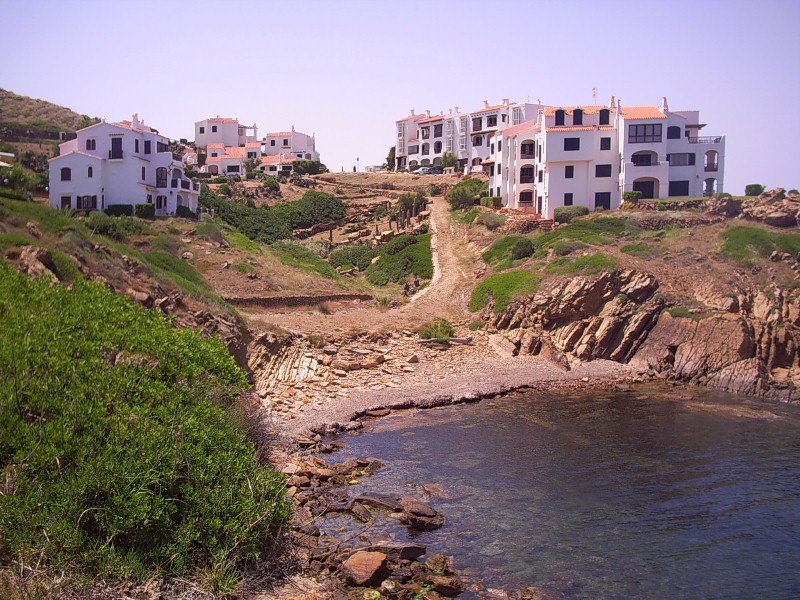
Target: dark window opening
{"points": [[572, 144], [673, 133], [559, 117], [202, 130], [213, 129], [477, 123], [144, 173], [89, 172], [642, 134], [526, 175], [568, 199], [681, 159], [437, 131], [605, 143], [678, 188], [136, 146], [66, 174], [602, 170], [602, 200], [148, 146], [569, 171], [540, 178], [605, 115], [577, 117], [491, 121]]}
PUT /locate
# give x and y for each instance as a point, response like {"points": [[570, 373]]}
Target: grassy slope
{"points": [[21, 109]]}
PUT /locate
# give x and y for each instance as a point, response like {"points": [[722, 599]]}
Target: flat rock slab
{"points": [[364, 569]]}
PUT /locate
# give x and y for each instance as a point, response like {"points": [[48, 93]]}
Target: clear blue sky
{"points": [[346, 70]]}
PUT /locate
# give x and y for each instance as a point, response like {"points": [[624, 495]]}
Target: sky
{"points": [[345, 70]]}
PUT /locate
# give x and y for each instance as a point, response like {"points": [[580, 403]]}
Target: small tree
{"points": [[753, 189], [391, 159], [250, 164], [449, 160], [466, 193]]}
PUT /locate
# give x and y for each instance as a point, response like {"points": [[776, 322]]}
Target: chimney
{"points": [[486, 104], [456, 109], [428, 114], [505, 101], [664, 106], [611, 102], [412, 112]]}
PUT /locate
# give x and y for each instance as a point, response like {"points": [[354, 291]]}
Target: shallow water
{"points": [[653, 493]]}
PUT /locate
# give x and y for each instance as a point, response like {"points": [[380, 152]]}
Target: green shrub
{"points": [[398, 244], [753, 189], [165, 243], [724, 195], [492, 201], [406, 259], [565, 247], [116, 440], [466, 216], [117, 228], [441, 329], [523, 248], [119, 210], [584, 265], [272, 184], [298, 256], [13, 194], [565, 214], [741, 242], [314, 207], [210, 232], [308, 167], [491, 221], [793, 191], [353, 255], [466, 193], [145, 210], [503, 287], [184, 212], [475, 325], [501, 249], [641, 250], [65, 269], [632, 195], [225, 190]]}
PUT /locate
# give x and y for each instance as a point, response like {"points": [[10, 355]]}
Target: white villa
{"points": [[541, 158], [225, 131], [120, 163], [291, 143]]}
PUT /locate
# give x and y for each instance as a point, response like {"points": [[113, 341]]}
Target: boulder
{"points": [[780, 219], [445, 585], [399, 550], [33, 229], [37, 262], [420, 516], [365, 569]]}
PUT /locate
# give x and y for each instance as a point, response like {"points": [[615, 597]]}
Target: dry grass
{"points": [[22, 109]]}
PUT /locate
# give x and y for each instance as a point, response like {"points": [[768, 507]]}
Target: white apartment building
{"points": [[230, 160], [591, 155], [290, 143], [225, 131], [423, 139], [120, 163]]}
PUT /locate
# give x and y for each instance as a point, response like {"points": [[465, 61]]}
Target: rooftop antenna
{"points": [[594, 96]]}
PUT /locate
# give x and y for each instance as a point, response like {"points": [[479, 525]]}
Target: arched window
{"points": [[161, 177], [426, 148], [577, 117], [437, 147], [66, 174], [673, 132], [605, 115], [89, 172], [477, 140], [559, 117], [91, 144]]}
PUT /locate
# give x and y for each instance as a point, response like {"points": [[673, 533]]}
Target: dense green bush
{"points": [[314, 207], [753, 189], [117, 228], [259, 224], [466, 193], [441, 329], [522, 249], [503, 287], [491, 201], [185, 212], [353, 255], [632, 195], [145, 210], [403, 256], [272, 184], [565, 214], [13, 194], [119, 210], [116, 442], [308, 167], [491, 220]]}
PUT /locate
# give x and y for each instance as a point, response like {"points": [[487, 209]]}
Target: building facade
{"points": [[120, 163], [290, 144], [225, 131], [591, 155]]}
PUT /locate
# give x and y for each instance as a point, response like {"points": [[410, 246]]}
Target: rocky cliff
{"points": [[745, 343]]}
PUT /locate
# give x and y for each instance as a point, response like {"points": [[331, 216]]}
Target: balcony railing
{"points": [[712, 167], [114, 154], [526, 178], [185, 185], [527, 156], [706, 140], [652, 163]]}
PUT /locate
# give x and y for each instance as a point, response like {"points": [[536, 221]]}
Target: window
{"points": [[161, 177], [491, 121], [499, 145], [568, 199], [681, 159], [602, 200], [498, 192], [673, 133], [91, 144], [572, 144], [605, 143], [213, 129], [161, 202], [66, 174], [87, 202], [202, 130], [232, 169], [528, 150], [477, 124], [413, 149], [251, 155], [516, 116], [499, 169], [526, 197], [678, 188], [559, 117], [213, 154], [272, 142], [285, 142], [144, 173], [426, 148], [149, 198], [477, 140], [437, 147], [540, 179], [148, 146], [462, 143], [539, 204], [641, 134], [89, 171], [526, 175], [602, 170], [491, 170], [66, 201], [577, 117], [569, 172], [437, 131], [604, 116], [136, 146], [425, 133]]}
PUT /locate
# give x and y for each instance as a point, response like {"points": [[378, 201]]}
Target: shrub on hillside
{"points": [[491, 220], [441, 329], [565, 214], [272, 185], [185, 212], [403, 256], [356, 256], [522, 249], [753, 189], [117, 228], [119, 210], [466, 193], [117, 443], [314, 207], [145, 210], [308, 167], [632, 195], [492, 201]]}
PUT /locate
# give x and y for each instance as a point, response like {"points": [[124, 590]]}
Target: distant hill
{"points": [[40, 114]]}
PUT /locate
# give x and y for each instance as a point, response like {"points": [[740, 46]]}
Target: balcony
{"points": [[174, 184], [527, 156], [114, 154], [713, 139], [178, 157], [650, 163], [186, 184], [712, 167], [526, 179], [195, 186]]}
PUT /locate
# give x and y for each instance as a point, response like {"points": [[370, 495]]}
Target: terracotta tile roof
{"points": [[487, 109], [223, 120], [642, 112], [573, 128], [432, 119], [521, 128], [278, 159], [606, 128], [593, 109], [280, 133], [253, 145], [234, 152], [410, 117], [212, 159], [216, 146]]}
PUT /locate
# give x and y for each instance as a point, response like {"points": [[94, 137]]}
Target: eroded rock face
{"points": [[747, 343]]}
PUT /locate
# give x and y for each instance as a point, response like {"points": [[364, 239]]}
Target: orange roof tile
{"points": [[234, 152], [253, 145], [521, 128], [642, 112], [280, 133], [216, 146], [487, 109], [550, 111], [411, 117], [432, 119], [277, 159], [222, 120], [573, 128]]}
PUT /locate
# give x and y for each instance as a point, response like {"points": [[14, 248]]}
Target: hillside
{"points": [[22, 109]]}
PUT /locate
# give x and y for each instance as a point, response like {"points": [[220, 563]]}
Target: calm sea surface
{"points": [[654, 493]]}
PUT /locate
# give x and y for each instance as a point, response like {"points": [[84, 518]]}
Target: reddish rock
{"points": [[364, 569]]}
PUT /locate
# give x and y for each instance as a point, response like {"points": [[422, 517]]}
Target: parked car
{"points": [[424, 171]]}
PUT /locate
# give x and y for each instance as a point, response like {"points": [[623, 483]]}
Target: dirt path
{"points": [[446, 295]]}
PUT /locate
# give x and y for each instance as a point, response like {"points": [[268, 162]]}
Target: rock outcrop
{"points": [[747, 342]]}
